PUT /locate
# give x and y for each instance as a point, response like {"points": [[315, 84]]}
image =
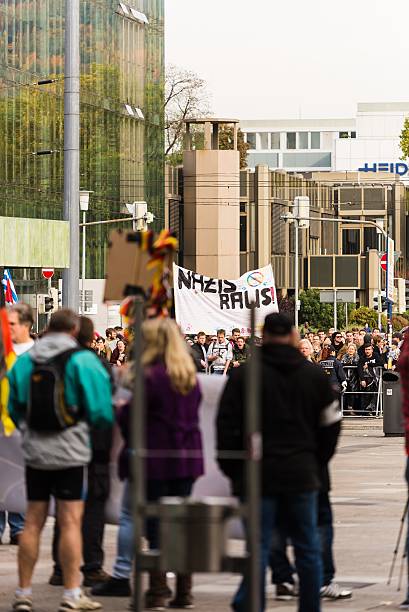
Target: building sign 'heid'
{"points": [[207, 304], [399, 168]]}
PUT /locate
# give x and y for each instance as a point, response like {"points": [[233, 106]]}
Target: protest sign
{"points": [[207, 304]]}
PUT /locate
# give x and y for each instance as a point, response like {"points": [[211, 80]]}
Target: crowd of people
{"points": [[218, 354], [113, 348], [68, 388], [353, 360]]}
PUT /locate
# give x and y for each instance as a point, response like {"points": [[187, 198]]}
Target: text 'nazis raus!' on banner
{"points": [[207, 304]]}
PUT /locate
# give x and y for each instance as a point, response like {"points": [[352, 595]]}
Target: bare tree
{"points": [[185, 96]]}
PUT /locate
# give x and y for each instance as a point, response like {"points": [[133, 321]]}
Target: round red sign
{"points": [[47, 273], [384, 262]]}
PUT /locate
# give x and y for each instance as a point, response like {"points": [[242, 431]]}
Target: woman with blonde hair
{"points": [[174, 454]]}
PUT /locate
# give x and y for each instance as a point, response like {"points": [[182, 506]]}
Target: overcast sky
{"points": [[292, 58]]}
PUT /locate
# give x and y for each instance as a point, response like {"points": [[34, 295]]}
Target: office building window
{"points": [[350, 241], [263, 136], [252, 139], [353, 134], [275, 140], [370, 238], [303, 140], [243, 234], [291, 140], [344, 134], [315, 140]]}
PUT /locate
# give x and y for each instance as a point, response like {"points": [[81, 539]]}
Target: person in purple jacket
{"points": [[172, 415]]}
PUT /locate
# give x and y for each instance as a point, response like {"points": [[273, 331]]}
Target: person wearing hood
{"points": [[98, 489], [337, 342], [57, 391], [300, 424]]}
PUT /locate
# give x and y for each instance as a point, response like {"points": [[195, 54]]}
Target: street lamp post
{"points": [[84, 206], [290, 218], [296, 272], [379, 233]]}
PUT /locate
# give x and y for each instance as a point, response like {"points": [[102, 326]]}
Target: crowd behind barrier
{"points": [[349, 366]]}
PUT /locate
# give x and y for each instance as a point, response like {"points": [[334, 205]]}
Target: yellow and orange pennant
{"points": [[7, 359]]}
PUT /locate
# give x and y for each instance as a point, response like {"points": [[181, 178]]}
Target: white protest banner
{"points": [[208, 304]]}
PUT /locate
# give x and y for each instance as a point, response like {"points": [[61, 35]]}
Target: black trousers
{"points": [[93, 522]]}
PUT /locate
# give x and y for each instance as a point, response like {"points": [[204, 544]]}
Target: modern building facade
{"points": [[332, 255], [122, 92], [368, 142], [295, 145]]}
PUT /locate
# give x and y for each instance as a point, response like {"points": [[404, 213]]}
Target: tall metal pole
{"points": [[72, 149], [84, 243], [49, 286], [335, 311], [255, 451], [296, 270], [389, 303]]}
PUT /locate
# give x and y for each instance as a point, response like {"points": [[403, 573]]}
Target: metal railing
{"points": [[358, 401]]}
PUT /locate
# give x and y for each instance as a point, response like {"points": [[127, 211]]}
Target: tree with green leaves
{"points": [[226, 142], [321, 315], [404, 139], [364, 316]]}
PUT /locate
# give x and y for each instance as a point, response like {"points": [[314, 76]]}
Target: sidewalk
{"points": [[368, 495]]}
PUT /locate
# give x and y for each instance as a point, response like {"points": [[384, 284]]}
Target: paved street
{"points": [[368, 495]]}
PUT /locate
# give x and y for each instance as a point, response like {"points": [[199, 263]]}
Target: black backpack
{"points": [[47, 409]]}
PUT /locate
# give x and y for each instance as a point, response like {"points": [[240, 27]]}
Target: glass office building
{"points": [[122, 81]]}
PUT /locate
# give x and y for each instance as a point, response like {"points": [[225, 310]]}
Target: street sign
{"points": [[47, 273], [390, 271], [384, 262], [344, 296]]}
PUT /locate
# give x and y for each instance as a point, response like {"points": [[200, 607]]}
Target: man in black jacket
{"points": [[300, 423], [199, 352], [368, 376]]}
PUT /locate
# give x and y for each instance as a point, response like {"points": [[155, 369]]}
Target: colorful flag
{"points": [[7, 359], [9, 289]]}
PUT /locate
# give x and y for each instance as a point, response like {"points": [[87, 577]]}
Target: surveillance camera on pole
{"points": [[140, 214], [302, 210]]}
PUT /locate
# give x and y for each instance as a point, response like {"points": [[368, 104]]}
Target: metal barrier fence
{"points": [[363, 401]]}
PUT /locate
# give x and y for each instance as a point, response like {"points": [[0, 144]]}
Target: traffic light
{"points": [[48, 304], [383, 304], [56, 295]]}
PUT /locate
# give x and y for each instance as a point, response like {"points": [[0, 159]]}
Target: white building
{"points": [[368, 142]]}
